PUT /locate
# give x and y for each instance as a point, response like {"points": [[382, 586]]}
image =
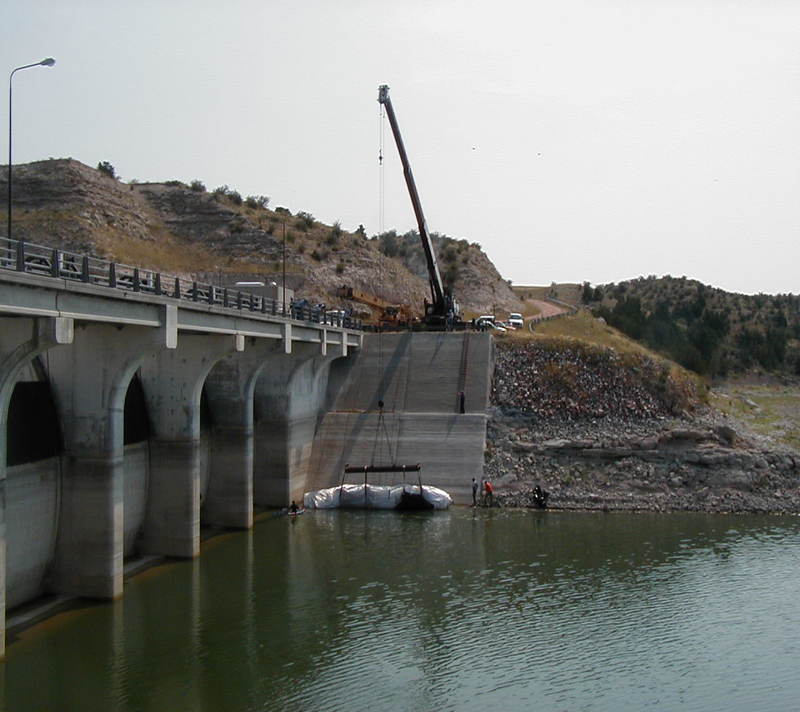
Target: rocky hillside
{"points": [[464, 267], [218, 236], [605, 430], [709, 330]]}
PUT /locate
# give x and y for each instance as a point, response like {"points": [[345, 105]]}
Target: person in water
{"points": [[294, 508]]}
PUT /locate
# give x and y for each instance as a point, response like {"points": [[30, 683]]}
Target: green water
{"points": [[459, 610]]}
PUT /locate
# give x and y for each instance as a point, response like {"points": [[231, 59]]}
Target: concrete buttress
{"points": [[173, 382], [289, 398], [89, 382], [229, 389]]}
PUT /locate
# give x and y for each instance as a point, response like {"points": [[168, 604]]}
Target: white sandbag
{"points": [[372, 497]]}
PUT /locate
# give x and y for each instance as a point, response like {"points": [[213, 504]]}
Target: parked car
{"points": [[516, 320]]}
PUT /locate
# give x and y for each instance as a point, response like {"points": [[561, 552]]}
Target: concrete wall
{"points": [[449, 448], [417, 372], [32, 496], [418, 376], [136, 473]]}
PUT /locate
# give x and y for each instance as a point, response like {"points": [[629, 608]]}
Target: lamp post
{"points": [[47, 62], [284, 267]]}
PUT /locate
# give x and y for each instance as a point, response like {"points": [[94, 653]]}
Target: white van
{"points": [[515, 320]]}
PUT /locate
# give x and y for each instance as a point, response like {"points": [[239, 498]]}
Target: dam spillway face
{"points": [[419, 377]]}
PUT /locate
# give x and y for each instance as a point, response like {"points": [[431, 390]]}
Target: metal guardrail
{"points": [[29, 258]]}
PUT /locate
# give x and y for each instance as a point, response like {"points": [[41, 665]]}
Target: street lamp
{"points": [[47, 62]]}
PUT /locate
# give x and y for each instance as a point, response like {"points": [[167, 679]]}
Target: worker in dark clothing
{"points": [[474, 492], [461, 402], [293, 509]]}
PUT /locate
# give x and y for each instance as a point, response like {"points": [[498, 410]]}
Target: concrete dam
{"points": [[131, 419], [420, 378]]}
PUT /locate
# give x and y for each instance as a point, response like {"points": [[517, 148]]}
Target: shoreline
{"points": [[704, 463]]}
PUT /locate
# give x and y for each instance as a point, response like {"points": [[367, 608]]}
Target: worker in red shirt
{"points": [[489, 491]]}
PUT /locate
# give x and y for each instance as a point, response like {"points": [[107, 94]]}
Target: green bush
{"points": [[197, 186], [106, 169], [235, 197]]}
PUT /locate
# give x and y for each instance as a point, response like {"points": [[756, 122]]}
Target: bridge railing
{"points": [[49, 262]]}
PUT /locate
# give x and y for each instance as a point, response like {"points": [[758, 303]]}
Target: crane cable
{"points": [[381, 428]]}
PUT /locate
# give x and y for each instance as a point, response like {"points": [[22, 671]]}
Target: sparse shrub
{"points": [[387, 243], [197, 186], [283, 211], [174, 183], [315, 255], [450, 254], [304, 221], [235, 197], [290, 236], [106, 169], [339, 267], [451, 274], [270, 228], [334, 234], [257, 201], [220, 192], [361, 230], [301, 248]]}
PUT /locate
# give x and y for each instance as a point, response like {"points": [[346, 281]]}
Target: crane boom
{"points": [[441, 303]]}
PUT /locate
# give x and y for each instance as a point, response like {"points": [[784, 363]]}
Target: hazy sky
{"points": [[573, 139]]}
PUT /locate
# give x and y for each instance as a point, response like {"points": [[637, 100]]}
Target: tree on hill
{"points": [[703, 328]]}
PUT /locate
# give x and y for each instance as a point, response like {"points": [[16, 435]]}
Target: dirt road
{"points": [[546, 309]]}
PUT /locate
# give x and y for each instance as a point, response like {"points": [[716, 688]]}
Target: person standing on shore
{"points": [[474, 492], [489, 492]]}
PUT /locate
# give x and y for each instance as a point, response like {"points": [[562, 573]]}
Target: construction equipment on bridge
{"points": [[442, 312], [384, 313]]}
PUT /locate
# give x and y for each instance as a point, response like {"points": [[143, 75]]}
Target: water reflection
{"points": [[459, 610]]}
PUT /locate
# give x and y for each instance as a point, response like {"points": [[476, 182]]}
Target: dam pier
{"points": [[133, 415]]}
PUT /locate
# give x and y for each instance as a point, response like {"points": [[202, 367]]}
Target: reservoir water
{"points": [[458, 610]]}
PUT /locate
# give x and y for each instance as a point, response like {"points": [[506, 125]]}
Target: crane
{"points": [[443, 309]]}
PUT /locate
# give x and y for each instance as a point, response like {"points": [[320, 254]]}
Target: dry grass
{"points": [[769, 409]]}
